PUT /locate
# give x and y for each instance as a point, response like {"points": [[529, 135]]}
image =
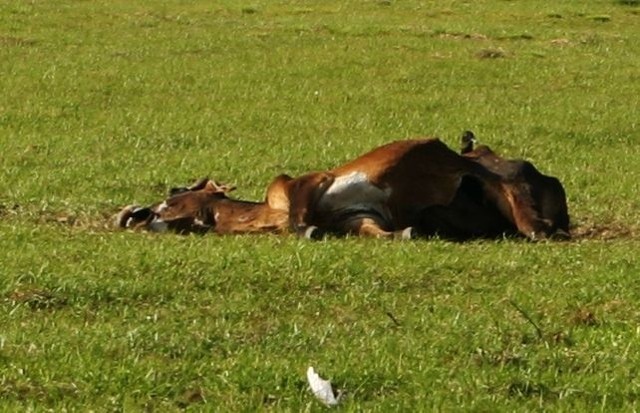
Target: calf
{"points": [[205, 207]]}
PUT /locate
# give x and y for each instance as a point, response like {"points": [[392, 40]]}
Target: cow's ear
{"points": [[218, 188], [199, 184]]}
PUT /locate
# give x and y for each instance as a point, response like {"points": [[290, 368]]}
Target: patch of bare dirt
{"points": [[462, 36], [9, 210], [80, 221], [584, 317], [37, 299], [605, 232], [491, 54], [70, 219], [191, 396], [15, 41]]}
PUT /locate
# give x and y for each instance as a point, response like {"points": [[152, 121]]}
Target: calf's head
{"points": [[186, 210]]}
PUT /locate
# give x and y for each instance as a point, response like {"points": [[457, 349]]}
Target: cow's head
{"points": [[186, 210], [535, 203]]}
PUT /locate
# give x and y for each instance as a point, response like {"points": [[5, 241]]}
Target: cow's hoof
{"points": [[311, 232], [124, 216], [407, 233], [560, 235], [132, 216]]}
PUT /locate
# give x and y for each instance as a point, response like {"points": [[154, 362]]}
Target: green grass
{"points": [[107, 103]]}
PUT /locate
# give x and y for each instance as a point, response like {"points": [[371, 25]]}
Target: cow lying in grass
{"points": [[402, 189]]}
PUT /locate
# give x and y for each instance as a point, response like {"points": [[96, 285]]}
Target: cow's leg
{"points": [[277, 196], [525, 217], [551, 200], [367, 227], [468, 215], [304, 194]]}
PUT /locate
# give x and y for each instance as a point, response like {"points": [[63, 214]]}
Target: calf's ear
{"points": [[198, 185]]}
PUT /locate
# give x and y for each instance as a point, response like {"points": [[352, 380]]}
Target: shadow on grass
{"points": [[586, 230]]}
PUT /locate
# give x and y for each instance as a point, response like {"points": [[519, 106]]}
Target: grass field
{"points": [[105, 103]]}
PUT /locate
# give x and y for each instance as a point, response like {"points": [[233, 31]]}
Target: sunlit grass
{"points": [[108, 103]]}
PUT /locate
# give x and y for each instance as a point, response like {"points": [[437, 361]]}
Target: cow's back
{"points": [[421, 171]]}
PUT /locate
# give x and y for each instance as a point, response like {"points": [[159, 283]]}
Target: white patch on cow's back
{"points": [[355, 192]]}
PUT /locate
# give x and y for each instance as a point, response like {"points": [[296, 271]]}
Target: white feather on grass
{"points": [[321, 388]]}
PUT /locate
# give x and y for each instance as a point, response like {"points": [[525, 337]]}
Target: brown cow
{"points": [[397, 190]]}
